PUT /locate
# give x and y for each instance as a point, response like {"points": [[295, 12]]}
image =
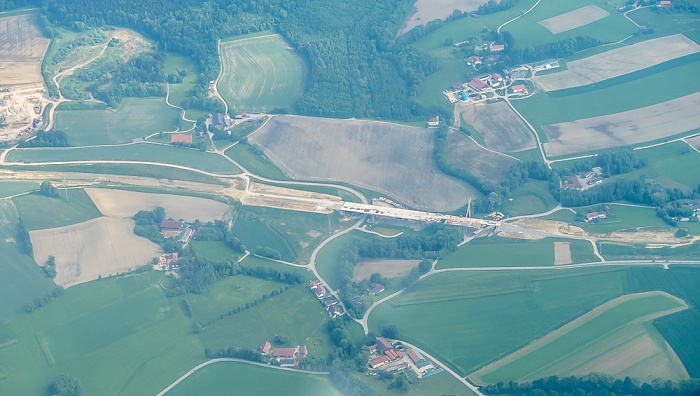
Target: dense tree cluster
{"points": [[44, 299], [638, 190], [494, 6], [238, 353], [23, 239], [46, 139], [12, 4], [65, 385], [47, 189], [613, 162], [595, 384], [50, 267]]}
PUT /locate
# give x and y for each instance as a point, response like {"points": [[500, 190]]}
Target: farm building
{"points": [[171, 225], [392, 354], [477, 84], [694, 205], [185, 236], [334, 311], [396, 366], [475, 60], [320, 292], [383, 346], [181, 138], [595, 215], [496, 47], [166, 262], [520, 88], [284, 352], [434, 122], [665, 4], [376, 289], [378, 362], [265, 348]]}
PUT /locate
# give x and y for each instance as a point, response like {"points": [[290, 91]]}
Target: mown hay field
{"points": [[500, 127], [626, 128], [96, 248], [22, 48], [222, 377], [40, 212], [260, 74], [486, 315], [134, 118], [125, 204], [392, 159], [465, 153], [574, 19], [387, 268], [613, 338], [619, 61]]}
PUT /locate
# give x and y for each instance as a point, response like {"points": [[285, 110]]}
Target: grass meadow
{"points": [[223, 377], [21, 279], [10, 188], [116, 335], [260, 74], [620, 218], [486, 315], [41, 212], [672, 163], [254, 231], [328, 257], [507, 252], [533, 197], [134, 118], [255, 163], [600, 341], [182, 92], [147, 152]]}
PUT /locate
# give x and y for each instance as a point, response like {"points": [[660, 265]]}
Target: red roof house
{"points": [[170, 225], [320, 291], [265, 348], [377, 362], [520, 88], [284, 352], [477, 84], [181, 138], [496, 47]]}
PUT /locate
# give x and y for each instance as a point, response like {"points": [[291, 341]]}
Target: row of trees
{"points": [[46, 139], [44, 299]]}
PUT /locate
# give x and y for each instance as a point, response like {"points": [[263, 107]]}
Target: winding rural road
{"points": [[219, 360]]}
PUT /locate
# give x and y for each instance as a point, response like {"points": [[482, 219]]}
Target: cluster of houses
{"points": [[329, 301], [179, 230], [584, 181], [223, 121], [389, 357], [287, 357], [478, 87]]}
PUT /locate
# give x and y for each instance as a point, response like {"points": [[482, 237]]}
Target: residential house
{"points": [[520, 88], [383, 345], [320, 292], [265, 348], [378, 362], [334, 311], [694, 205], [434, 122], [496, 47], [477, 84], [376, 288], [284, 353], [595, 215]]}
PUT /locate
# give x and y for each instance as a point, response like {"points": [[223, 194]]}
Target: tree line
{"points": [[46, 139]]}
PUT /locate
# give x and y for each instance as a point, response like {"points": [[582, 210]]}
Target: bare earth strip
{"points": [[500, 127], [618, 62], [464, 153], [22, 47], [125, 204], [562, 253], [393, 159], [628, 347], [429, 10], [626, 128], [387, 268], [98, 247], [574, 19]]}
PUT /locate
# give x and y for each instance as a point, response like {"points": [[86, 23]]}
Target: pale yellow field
{"points": [[500, 127], [387, 268], [618, 61], [626, 128], [562, 253], [573, 19], [22, 48], [125, 204], [99, 247]]}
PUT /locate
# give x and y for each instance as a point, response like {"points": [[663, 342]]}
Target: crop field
{"points": [[614, 338], [88, 250], [125, 204], [574, 19], [281, 314], [118, 335], [166, 174], [611, 96], [531, 198], [40, 212], [392, 159], [500, 127], [626, 128], [429, 10], [464, 153], [134, 118], [619, 61], [261, 74], [673, 164], [512, 308], [141, 152], [10, 188], [679, 329], [228, 294], [21, 280], [221, 378], [22, 47], [387, 268]]}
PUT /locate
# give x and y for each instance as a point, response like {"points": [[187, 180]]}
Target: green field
{"points": [[146, 152], [620, 218], [438, 384], [255, 163], [253, 230], [224, 377], [529, 33], [180, 93], [261, 74], [40, 212], [21, 280], [545, 109], [213, 250], [134, 118], [598, 341], [533, 197], [507, 252], [672, 164], [117, 335], [296, 313], [10, 188], [483, 316], [327, 258]]}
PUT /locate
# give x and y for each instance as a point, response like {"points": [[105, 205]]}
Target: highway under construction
{"points": [[415, 215]]}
